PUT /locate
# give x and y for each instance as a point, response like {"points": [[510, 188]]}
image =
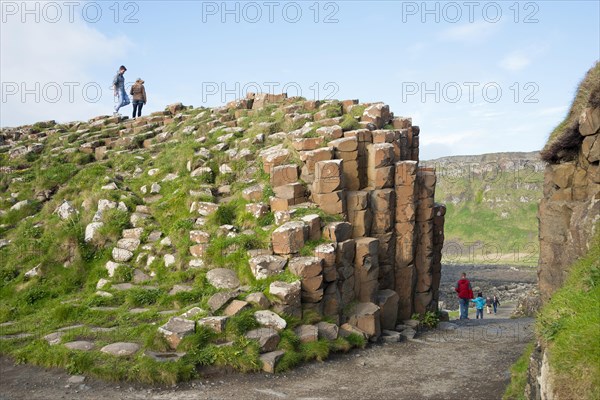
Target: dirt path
{"points": [[469, 362]]}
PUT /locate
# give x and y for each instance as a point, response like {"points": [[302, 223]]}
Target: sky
{"points": [[477, 77]]}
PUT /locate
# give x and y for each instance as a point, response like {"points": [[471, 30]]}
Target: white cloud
{"points": [[55, 61], [469, 32], [515, 61], [522, 58]]}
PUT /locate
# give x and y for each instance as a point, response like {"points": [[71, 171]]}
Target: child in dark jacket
{"points": [[495, 303], [479, 304]]}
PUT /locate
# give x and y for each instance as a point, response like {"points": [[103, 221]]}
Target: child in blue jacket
{"points": [[479, 304]]}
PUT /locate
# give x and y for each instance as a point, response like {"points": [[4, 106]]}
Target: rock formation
{"points": [[570, 209], [354, 214]]}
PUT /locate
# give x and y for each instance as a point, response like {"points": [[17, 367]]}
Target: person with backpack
{"points": [[119, 89], [465, 293], [495, 303], [479, 304], [138, 91]]}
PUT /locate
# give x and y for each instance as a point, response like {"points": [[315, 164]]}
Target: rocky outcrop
{"points": [[569, 211], [326, 201]]}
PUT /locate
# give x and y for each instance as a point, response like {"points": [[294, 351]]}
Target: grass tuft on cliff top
{"points": [[566, 134]]}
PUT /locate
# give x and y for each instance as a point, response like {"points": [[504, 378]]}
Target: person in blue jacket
{"points": [[119, 88], [479, 304]]}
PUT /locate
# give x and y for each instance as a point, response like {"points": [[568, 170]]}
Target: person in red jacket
{"points": [[465, 294]]}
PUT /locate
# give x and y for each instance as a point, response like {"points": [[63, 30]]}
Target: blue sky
{"points": [[476, 77]]}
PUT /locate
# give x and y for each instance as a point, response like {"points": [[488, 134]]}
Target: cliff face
{"points": [[569, 210], [570, 207]]}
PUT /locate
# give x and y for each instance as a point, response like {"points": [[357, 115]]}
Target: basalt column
{"points": [[425, 190], [404, 268]]}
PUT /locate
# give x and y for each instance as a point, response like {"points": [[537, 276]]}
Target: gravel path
{"points": [[469, 362]]}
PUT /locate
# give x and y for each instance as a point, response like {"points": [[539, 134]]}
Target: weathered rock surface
{"points": [[223, 278], [121, 349]]}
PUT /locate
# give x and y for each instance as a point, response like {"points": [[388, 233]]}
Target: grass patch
{"points": [[569, 326], [518, 376]]}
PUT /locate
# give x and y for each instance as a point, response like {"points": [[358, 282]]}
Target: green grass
{"points": [[490, 224], [569, 326], [518, 376], [65, 293]]}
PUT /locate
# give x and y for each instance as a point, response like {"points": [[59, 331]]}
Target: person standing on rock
{"points": [[465, 293], [495, 303], [479, 304], [138, 91], [119, 89]]}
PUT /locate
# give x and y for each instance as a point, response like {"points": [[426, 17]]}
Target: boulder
{"points": [[121, 255], [269, 360], [91, 230], [327, 254], [337, 231], [101, 283], [199, 237], [330, 132], [270, 320], [327, 330], [223, 278], [380, 155], [121, 349], [198, 250], [328, 177], [331, 203], [66, 210], [169, 259], [377, 114], [306, 267], [264, 266], [134, 233], [387, 300], [366, 317], [274, 156], [288, 293], [253, 193], [205, 208], [180, 288], [284, 174], [235, 307], [35, 271], [218, 300], [347, 330], [128, 244], [81, 345], [408, 333], [288, 238], [54, 338], [259, 300], [217, 324], [388, 336], [111, 267], [313, 226], [267, 338], [257, 210], [307, 333], [176, 329]]}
